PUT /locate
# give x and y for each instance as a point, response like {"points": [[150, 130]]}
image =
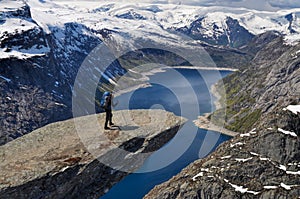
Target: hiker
{"points": [[106, 104]]}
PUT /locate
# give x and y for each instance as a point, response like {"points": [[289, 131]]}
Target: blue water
{"points": [[183, 92]]}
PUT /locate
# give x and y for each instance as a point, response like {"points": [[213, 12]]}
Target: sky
{"points": [[252, 4]]}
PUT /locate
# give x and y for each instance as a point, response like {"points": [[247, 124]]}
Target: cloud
{"points": [[285, 3], [252, 4], [256, 4]]}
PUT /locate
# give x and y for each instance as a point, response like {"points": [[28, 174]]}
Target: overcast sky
{"points": [[253, 4]]}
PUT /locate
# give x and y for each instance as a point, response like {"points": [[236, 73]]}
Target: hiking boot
{"points": [[106, 128], [111, 124]]}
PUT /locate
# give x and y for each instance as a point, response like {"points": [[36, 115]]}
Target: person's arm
{"points": [[106, 102], [113, 102]]}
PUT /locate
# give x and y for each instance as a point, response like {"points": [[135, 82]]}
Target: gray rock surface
{"points": [[78, 159], [263, 161]]}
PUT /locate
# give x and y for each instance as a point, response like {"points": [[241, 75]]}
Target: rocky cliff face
{"points": [[264, 160], [60, 161], [38, 69], [269, 83], [44, 43], [229, 33]]}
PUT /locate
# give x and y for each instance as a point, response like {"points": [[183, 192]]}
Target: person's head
{"points": [[106, 93], [110, 96]]}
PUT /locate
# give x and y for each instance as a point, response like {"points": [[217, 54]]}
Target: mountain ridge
{"points": [[43, 45], [263, 160]]}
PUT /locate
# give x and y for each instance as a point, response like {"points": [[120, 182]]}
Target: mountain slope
{"points": [[223, 26], [43, 44], [38, 69], [262, 162]]}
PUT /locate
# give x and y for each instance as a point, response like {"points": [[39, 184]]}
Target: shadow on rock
{"points": [[128, 128]]}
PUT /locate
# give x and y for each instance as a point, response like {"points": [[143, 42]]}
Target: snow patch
{"points": [[252, 132], [198, 175], [206, 170], [292, 39], [270, 187], [287, 132], [282, 167], [286, 187], [64, 168], [16, 25], [253, 192], [8, 5], [255, 154], [36, 49], [18, 54], [243, 160], [293, 164], [294, 56], [241, 189], [226, 157], [293, 108], [201, 173], [293, 172], [59, 104], [265, 159], [237, 144], [5, 78], [245, 135]]}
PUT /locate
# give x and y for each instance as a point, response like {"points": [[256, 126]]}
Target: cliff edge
{"points": [[59, 161], [263, 161]]}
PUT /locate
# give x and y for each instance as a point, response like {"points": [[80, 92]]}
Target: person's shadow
{"points": [[126, 128]]}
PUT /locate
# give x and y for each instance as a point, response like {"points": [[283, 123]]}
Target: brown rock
{"points": [[74, 157]]}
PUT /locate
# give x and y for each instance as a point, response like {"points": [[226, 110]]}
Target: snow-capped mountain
{"points": [[143, 20], [44, 43], [232, 27], [224, 26]]}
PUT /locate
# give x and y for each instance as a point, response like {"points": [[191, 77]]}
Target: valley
{"points": [[57, 58]]}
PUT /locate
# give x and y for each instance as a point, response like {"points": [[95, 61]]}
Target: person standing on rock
{"points": [[106, 104]]}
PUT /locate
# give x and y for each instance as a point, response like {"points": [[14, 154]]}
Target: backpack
{"points": [[103, 99]]}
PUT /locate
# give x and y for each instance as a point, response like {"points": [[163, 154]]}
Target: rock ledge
{"points": [[58, 161]]}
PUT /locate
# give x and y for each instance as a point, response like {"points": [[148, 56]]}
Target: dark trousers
{"points": [[108, 117]]}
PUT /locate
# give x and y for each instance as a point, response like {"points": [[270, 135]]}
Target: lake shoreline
{"points": [[144, 78], [184, 148], [204, 122], [205, 68], [131, 88], [162, 69]]}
